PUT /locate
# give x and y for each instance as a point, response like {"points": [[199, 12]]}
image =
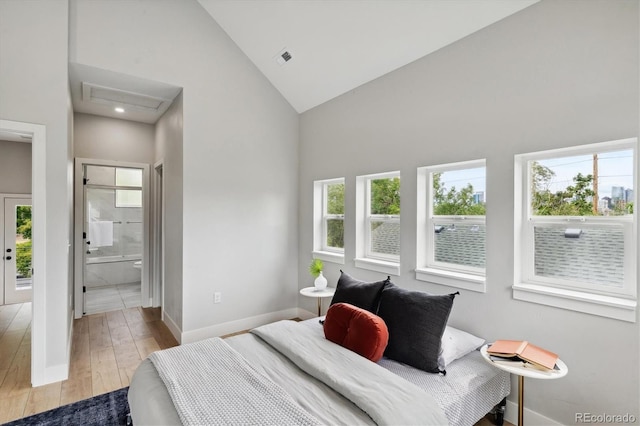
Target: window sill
{"points": [[391, 268], [452, 279], [328, 256], [590, 303]]}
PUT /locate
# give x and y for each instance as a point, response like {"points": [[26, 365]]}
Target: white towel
{"points": [[100, 233]]}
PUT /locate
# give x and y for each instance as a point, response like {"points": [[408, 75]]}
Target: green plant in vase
{"points": [[315, 269]]}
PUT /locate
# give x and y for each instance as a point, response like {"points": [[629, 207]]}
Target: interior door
{"points": [[17, 250]]}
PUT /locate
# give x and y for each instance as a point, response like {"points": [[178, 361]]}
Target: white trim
{"points": [[70, 344], [54, 373], [172, 326], [364, 260], [303, 314], [600, 147], [38, 134], [590, 299], [461, 280], [532, 417], [596, 304], [158, 233], [391, 268], [328, 256], [237, 325], [449, 274]]}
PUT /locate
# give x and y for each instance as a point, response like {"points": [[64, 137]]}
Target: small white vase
{"points": [[320, 283]]}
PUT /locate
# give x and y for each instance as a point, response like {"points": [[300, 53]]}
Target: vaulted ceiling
{"points": [[334, 46], [310, 50]]}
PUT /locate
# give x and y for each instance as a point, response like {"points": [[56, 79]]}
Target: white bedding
{"points": [[384, 396], [463, 395], [226, 381]]}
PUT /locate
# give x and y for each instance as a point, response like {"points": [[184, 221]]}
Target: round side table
{"points": [[318, 294], [521, 371]]}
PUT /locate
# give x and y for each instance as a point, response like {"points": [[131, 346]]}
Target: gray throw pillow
{"points": [[358, 293], [416, 322]]}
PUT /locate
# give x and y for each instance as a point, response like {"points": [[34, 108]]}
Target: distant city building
{"points": [[628, 195], [478, 197], [605, 204], [617, 193]]}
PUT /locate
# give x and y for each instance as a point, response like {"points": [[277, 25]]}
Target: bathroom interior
{"points": [[113, 223]]}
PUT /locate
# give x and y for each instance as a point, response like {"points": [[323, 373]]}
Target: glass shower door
{"points": [[113, 245]]}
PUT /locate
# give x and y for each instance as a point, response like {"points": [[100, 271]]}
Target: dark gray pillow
{"points": [[359, 293], [416, 322]]}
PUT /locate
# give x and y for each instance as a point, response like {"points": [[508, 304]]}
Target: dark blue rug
{"points": [[106, 409]]}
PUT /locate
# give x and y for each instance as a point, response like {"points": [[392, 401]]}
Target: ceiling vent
{"points": [[283, 57], [110, 96]]}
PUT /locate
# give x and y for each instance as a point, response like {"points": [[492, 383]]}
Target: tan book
{"points": [[525, 351]]}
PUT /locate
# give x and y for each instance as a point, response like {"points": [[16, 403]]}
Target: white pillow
{"points": [[456, 344]]}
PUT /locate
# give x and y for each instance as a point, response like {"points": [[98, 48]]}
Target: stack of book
{"points": [[522, 353]]}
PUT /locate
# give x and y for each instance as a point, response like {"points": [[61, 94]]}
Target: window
{"points": [[329, 220], [451, 224], [128, 178], [576, 231], [378, 222]]}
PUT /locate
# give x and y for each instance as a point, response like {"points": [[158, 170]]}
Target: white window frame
{"points": [[428, 269], [365, 259], [124, 190], [593, 299], [320, 218]]}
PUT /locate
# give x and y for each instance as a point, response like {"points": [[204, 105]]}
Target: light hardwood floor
{"points": [[106, 350]]}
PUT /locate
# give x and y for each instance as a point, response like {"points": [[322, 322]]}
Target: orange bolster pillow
{"points": [[356, 329]]}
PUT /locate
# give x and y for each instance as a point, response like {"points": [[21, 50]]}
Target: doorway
{"points": [[16, 249], [113, 249]]}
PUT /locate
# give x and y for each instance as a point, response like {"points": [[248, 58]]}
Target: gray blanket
{"points": [[385, 397], [211, 384]]}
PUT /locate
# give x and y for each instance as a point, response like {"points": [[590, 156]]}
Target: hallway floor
{"points": [[112, 298], [106, 350]]}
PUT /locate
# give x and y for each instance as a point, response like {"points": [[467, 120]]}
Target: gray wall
{"points": [[15, 167], [34, 83], [107, 138], [239, 153], [557, 74]]}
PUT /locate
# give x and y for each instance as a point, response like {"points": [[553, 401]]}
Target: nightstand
{"points": [[521, 371], [318, 294]]}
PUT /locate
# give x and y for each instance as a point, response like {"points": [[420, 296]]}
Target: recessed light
{"points": [[119, 109]]}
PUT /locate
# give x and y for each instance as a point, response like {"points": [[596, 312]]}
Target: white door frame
{"points": [[158, 235], [3, 272], [79, 228], [38, 135]]}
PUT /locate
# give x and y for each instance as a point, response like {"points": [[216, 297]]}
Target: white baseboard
{"points": [[531, 417], [238, 325], [70, 342], [305, 315], [59, 373], [172, 326], [55, 373]]}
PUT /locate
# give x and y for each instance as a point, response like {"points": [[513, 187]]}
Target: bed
{"points": [[288, 372]]}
